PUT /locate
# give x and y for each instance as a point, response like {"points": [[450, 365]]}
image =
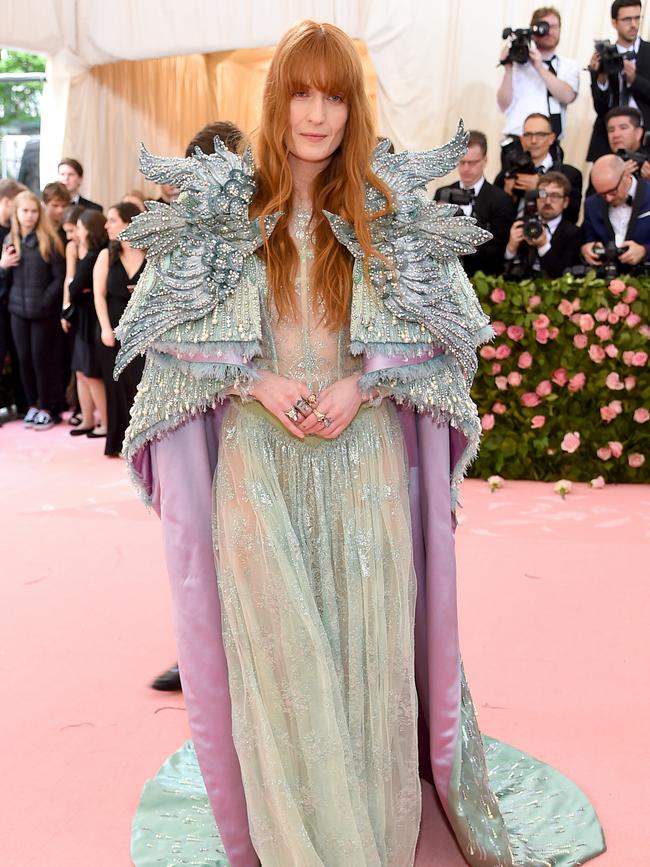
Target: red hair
{"points": [[323, 57]]}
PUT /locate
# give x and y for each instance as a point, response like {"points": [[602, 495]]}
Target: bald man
{"points": [[619, 211]]}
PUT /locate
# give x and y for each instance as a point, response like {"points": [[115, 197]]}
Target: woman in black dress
{"points": [[116, 273], [91, 238]]}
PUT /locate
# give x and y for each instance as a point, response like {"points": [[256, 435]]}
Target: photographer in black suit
{"points": [[545, 242], [523, 173], [491, 207], [620, 81]]}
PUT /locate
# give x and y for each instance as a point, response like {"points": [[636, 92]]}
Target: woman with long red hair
{"points": [[263, 420]]}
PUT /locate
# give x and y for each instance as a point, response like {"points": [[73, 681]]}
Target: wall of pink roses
{"points": [[563, 391]]}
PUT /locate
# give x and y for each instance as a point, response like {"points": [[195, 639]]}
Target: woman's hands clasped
{"points": [[339, 403]]}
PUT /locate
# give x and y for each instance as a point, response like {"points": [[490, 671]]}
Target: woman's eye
{"points": [[336, 97], [300, 93]]}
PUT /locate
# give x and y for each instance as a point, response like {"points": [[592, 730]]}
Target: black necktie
{"points": [[556, 118], [629, 201], [470, 190]]}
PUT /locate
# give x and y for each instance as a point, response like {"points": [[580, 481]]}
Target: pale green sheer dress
{"points": [[313, 548]]}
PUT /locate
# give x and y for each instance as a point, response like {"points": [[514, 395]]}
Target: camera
{"points": [[533, 224], [519, 47], [521, 164], [611, 60], [608, 254], [453, 196], [639, 157]]}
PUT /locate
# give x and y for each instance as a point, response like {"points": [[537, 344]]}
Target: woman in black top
{"points": [[32, 269], [116, 273], [91, 238]]}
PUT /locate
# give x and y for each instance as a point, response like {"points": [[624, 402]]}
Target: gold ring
{"points": [[312, 400], [319, 415], [293, 415]]}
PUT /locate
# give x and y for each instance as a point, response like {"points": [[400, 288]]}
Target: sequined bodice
{"points": [[304, 348]]}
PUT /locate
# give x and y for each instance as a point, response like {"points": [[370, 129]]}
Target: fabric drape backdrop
{"points": [[434, 63]]}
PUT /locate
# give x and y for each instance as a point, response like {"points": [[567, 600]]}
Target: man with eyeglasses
{"points": [[619, 211], [557, 247], [536, 139], [491, 207], [546, 84], [631, 85]]}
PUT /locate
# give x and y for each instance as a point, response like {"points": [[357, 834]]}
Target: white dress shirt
{"points": [[530, 94], [619, 216]]}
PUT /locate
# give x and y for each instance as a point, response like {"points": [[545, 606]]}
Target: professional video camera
{"points": [[455, 196], [520, 46], [533, 223], [611, 59], [608, 254]]}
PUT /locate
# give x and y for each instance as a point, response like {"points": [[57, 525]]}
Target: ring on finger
{"points": [[292, 414], [312, 400], [303, 407]]}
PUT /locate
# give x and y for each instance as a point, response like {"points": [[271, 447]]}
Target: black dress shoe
{"points": [[168, 681]]}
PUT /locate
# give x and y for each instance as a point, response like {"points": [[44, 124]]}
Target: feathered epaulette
{"points": [[421, 240], [196, 246]]}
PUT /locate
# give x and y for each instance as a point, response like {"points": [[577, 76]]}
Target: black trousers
{"points": [[11, 388], [39, 343]]}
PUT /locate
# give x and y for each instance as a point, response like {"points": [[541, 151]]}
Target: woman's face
{"points": [[114, 224], [70, 230], [82, 233], [28, 215], [316, 125]]}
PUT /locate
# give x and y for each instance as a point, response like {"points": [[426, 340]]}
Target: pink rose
{"points": [[553, 332], [596, 353], [487, 422], [613, 381], [515, 332], [498, 327], [607, 413], [525, 360], [604, 332], [544, 388], [621, 309], [617, 287], [629, 382], [534, 301], [586, 322], [631, 295], [611, 351], [616, 447], [601, 314], [632, 320], [575, 318], [570, 442], [496, 368], [645, 331], [640, 359], [576, 304], [487, 352], [612, 318], [604, 453], [537, 421], [498, 295], [566, 309], [530, 399], [501, 383], [542, 321], [503, 351], [542, 335], [560, 377], [616, 406], [580, 341], [628, 356], [641, 415], [598, 482], [514, 378], [577, 382], [499, 408], [636, 460]]}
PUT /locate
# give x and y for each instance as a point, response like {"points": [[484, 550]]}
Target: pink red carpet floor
{"points": [[553, 602]]}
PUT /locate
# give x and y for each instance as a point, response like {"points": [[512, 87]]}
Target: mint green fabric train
{"points": [[319, 656]]}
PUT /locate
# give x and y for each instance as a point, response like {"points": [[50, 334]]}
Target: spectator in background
{"points": [[9, 189], [625, 132], [33, 268], [628, 86], [557, 246], [491, 207], [115, 276], [71, 174], [69, 220], [545, 85], [56, 199], [537, 139], [168, 194], [618, 212], [229, 133], [135, 197], [69, 225]]}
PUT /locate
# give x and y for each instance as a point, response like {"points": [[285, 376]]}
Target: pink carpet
{"points": [[553, 605]]}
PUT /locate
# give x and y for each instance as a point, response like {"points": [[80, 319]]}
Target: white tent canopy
{"points": [[434, 63]]}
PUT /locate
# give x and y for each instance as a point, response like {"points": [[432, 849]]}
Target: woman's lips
{"points": [[313, 136]]}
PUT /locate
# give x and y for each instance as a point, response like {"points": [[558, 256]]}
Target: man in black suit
{"points": [[71, 174], [537, 139], [557, 247], [630, 85], [491, 207]]}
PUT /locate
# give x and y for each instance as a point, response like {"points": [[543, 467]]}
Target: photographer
{"points": [[491, 207], [625, 132], [620, 74], [523, 171], [543, 83], [544, 242], [617, 218]]}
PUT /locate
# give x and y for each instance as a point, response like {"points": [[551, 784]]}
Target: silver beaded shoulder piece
{"points": [[196, 248], [420, 295]]}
